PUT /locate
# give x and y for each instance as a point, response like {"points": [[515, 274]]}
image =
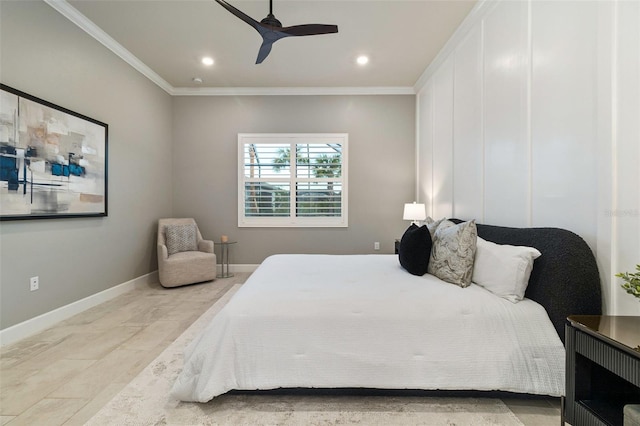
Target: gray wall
{"points": [[45, 55], [381, 167], [177, 157]]}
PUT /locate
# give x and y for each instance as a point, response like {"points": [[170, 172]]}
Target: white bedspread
{"points": [[323, 321]]}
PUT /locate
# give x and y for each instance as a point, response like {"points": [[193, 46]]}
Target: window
{"points": [[307, 191]]}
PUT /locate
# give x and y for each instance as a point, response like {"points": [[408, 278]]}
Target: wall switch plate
{"points": [[376, 245], [34, 283]]}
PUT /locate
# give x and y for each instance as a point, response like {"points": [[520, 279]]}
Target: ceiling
{"points": [[170, 37]]}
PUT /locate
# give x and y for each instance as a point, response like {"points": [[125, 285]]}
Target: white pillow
{"points": [[503, 269]]}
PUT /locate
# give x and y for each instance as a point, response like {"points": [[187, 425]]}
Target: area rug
{"points": [[146, 401]]}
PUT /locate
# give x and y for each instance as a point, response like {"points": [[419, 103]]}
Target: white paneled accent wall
{"points": [[530, 117], [424, 149], [626, 136], [443, 134], [467, 102], [506, 143], [563, 116]]}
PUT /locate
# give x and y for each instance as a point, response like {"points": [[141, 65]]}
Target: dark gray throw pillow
{"points": [[415, 249]]}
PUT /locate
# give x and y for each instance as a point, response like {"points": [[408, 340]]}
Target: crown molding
{"points": [[74, 15], [479, 11], [88, 26], [290, 91]]}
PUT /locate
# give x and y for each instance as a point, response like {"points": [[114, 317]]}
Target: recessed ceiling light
{"points": [[207, 60], [362, 60]]}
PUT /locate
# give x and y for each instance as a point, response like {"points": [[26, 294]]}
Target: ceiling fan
{"points": [[272, 30]]}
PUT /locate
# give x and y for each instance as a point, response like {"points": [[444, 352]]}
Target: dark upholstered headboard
{"points": [[565, 279]]}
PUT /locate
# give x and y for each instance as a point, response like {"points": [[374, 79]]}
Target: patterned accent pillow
{"points": [[432, 225], [181, 238], [453, 252]]}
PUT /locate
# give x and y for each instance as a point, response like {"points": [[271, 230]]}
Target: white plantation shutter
{"points": [[308, 188]]}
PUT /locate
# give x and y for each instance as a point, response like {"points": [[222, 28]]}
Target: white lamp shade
{"points": [[414, 211]]}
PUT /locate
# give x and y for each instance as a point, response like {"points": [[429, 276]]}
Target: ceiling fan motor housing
{"points": [[271, 20]]}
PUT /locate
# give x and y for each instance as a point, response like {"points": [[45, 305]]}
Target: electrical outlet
{"points": [[34, 283], [376, 245]]}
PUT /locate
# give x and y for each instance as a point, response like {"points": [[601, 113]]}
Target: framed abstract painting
{"points": [[53, 161]]}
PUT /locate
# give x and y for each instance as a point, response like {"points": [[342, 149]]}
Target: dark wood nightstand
{"points": [[602, 368]]}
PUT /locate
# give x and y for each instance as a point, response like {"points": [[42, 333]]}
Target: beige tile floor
{"points": [[66, 374]]}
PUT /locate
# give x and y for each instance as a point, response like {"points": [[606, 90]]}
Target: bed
{"points": [[361, 321]]}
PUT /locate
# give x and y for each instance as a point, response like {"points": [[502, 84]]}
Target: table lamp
{"points": [[414, 212]]}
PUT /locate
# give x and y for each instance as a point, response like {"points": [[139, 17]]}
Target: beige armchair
{"points": [[184, 257]]}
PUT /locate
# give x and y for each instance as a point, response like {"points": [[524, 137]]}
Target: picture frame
{"points": [[53, 161]]}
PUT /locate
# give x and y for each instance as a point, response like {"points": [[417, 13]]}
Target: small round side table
{"points": [[224, 258]]}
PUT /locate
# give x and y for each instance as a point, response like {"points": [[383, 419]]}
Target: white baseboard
{"points": [[240, 268], [41, 322]]}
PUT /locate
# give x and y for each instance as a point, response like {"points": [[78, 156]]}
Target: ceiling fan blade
{"points": [[240, 14], [271, 29], [264, 51], [309, 29]]}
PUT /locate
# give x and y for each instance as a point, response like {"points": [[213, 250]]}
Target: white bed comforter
{"points": [[323, 321]]}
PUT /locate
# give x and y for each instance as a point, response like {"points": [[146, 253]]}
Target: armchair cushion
{"points": [[181, 238]]}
